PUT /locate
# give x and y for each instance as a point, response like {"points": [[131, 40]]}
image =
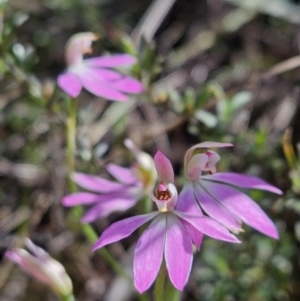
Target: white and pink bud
{"points": [[43, 267]]}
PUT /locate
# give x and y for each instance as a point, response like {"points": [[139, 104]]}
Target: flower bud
{"points": [[41, 266]]}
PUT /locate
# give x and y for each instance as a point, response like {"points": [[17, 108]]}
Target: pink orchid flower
{"points": [[41, 266], [217, 195], [94, 74], [108, 196], [170, 235]]}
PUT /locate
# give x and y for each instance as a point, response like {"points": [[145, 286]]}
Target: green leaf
{"points": [[207, 118], [240, 99]]}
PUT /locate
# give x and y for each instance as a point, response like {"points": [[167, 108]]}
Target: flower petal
{"points": [[149, 254], [164, 168], [109, 79], [99, 88], [128, 85], [16, 257], [36, 251], [243, 207], [122, 174], [80, 198], [196, 236], [187, 202], [103, 75], [178, 252], [86, 198], [216, 210], [213, 159], [122, 229], [196, 165], [106, 208], [111, 60], [208, 226], [241, 180], [95, 183], [70, 83]]}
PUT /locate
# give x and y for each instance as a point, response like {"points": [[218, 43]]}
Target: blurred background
{"points": [[214, 70]]}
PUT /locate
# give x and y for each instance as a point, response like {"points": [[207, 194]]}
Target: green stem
{"points": [[159, 287], [52, 99], [164, 289], [92, 237], [144, 207], [71, 141], [147, 204], [171, 294], [176, 295], [76, 212], [67, 298]]}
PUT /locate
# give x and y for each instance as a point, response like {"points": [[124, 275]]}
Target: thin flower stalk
{"points": [[71, 140]]}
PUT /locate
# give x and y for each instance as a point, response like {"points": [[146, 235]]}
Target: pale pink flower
{"points": [[170, 234], [109, 196], [216, 192], [94, 74], [42, 267]]}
